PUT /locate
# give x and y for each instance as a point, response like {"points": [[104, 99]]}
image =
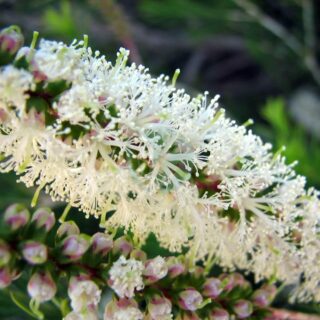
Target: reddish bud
{"points": [[122, 309], [75, 246], [212, 288], [16, 216], [44, 218], [159, 307], [264, 296], [5, 277], [122, 246], [138, 255], [155, 269], [35, 252], [11, 39], [243, 309], [67, 228], [41, 287], [175, 268], [219, 314], [101, 243], [190, 299]]}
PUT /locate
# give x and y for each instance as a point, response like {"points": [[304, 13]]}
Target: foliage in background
{"points": [[297, 142]]}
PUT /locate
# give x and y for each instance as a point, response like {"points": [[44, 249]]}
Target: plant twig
{"points": [[21, 306], [310, 39], [305, 51], [272, 25], [120, 24]]}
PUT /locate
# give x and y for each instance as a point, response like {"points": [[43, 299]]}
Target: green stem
{"points": [[34, 306], [65, 213], [85, 40], [175, 77], [36, 195], [21, 306], [34, 39]]}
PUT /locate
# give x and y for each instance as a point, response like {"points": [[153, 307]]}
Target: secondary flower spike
{"points": [[141, 154]]}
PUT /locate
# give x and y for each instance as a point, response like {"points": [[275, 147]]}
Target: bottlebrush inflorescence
{"points": [[140, 153]]}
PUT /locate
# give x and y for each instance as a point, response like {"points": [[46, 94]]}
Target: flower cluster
{"points": [[140, 153], [107, 277]]}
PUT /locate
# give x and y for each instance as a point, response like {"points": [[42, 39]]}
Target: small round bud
{"points": [[35, 252], [41, 287], [101, 243], [138, 254], [67, 228], [229, 281], [83, 293], [190, 299], [5, 277], [11, 39], [212, 288], [264, 296], [122, 246], [5, 254], [16, 216], [75, 246], [155, 269], [243, 309], [175, 268], [44, 218], [239, 280], [122, 309], [85, 315], [159, 308], [219, 314]]}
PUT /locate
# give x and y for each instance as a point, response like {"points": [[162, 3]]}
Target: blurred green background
{"points": [[261, 56]]}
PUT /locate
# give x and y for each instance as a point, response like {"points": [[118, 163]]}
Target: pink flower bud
{"points": [[44, 218], [123, 309], [87, 314], [138, 255], [41, 287], [101, 243], [35, 252], [227, 281], [83, 293], [264, 296], [159, 307], [11, 39], [122, 246], [239, 280], [75, 246], [219, 314], [67, 228], [212, 288], [5, 277], [155, 269], [16, 216], [243, 309], [5, 254], [175, 268], [190, 299]]}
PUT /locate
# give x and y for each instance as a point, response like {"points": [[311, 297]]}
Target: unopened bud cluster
{"points": [[157, 288]]}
